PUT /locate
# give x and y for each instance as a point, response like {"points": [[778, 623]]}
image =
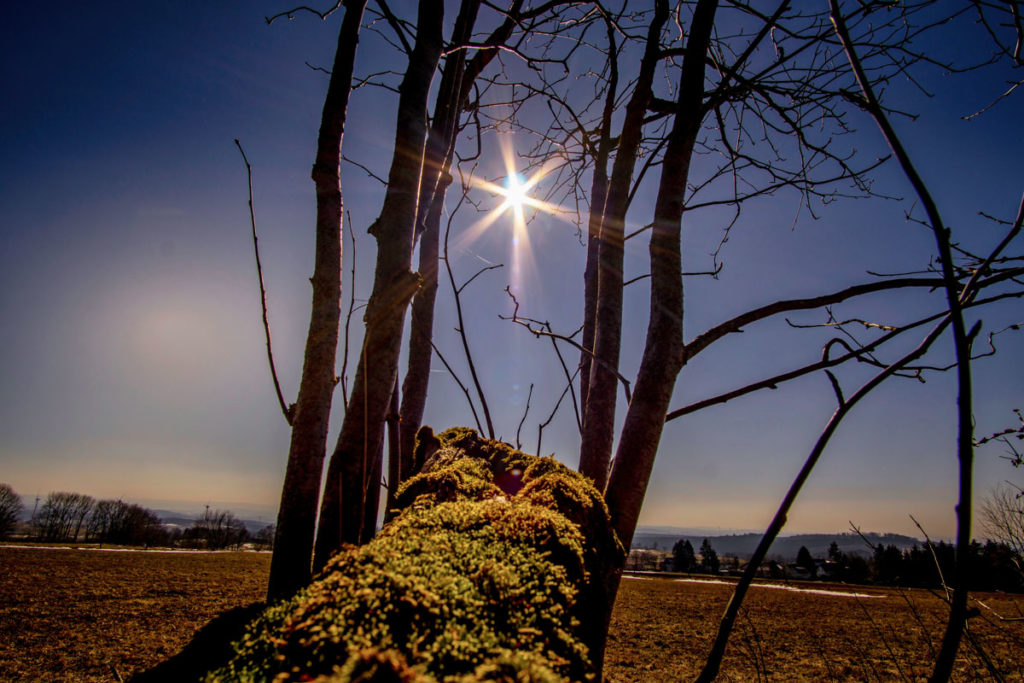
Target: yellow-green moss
{"points": [[472, 581]]}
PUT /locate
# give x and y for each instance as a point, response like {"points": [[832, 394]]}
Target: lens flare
{"points": [[518, 201]]}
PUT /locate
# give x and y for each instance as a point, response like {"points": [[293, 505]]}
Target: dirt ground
{"points": [[97, 615], [662, 630]]}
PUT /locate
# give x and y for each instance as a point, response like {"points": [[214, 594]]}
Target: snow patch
{"points": [[793, 589]]}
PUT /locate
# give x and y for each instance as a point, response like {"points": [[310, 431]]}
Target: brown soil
{"points": [[663, 628], [86, 615], [91, 615]]}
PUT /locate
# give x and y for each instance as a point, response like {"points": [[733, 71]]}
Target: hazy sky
{"points": [[132, 356]]}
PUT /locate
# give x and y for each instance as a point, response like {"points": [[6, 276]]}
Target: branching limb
{"points": [[290, 14], [861, 353], [545, 331], [703, 340], [714, 660]]}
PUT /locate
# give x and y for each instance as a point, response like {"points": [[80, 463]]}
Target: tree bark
{"points": [[456, 81], [599, 412], [421, 332], [341, 511], [598, 194], [436, 179], [663, 351], [296, 519]]}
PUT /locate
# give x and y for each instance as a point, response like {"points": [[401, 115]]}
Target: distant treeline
{"points": [[995, 566], [75, 517]]}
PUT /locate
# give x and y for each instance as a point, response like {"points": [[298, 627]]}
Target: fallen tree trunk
{"points": [[493, 568]]}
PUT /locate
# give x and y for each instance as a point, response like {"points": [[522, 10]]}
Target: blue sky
{"points": [[132, 355]]}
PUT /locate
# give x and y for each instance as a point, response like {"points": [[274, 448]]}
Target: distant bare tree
{"points": [[1002, 518], [217, 529], [115, 521], [62, 515], [10, 510]]}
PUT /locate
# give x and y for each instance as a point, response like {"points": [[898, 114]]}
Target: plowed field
{"points": [[92, 615]]}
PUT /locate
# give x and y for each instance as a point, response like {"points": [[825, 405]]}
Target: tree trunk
{"points": [[296, 519], [599, 412], [421, 333], [456, 81], [436, 179], [394, 286], [663, 351], [598, 194]]}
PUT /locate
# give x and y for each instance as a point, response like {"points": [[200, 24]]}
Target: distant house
{"points": [[796, 571]]}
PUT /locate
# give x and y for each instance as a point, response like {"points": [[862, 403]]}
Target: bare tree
{"points": [[781, 70], [216, 529], [1002, 518], [10, 510], [764, 96], [115, 521], [62, 515]]}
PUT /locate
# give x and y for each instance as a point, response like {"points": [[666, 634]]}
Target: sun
{"points": [[516, 194]]}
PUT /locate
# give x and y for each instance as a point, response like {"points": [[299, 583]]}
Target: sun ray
{"points": [[518, 202]]}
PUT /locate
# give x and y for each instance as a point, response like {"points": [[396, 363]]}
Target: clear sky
{"points": [[131, 350]]}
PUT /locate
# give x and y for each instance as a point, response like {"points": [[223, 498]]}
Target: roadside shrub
{"points": [[473, 581]]}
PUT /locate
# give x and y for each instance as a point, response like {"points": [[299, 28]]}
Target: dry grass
{"points": [[82, 615]]}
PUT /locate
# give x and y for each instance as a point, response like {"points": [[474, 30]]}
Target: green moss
{"points": [[470, 582]]}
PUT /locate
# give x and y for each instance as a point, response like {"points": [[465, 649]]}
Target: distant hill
{"points": [[185, 520], [784, 547]]}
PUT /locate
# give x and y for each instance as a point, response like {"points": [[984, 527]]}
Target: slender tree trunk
{"points": [[599, 413], [663, 351], [421, 332], [598, 194], [456, 81], [341, 512], [396, 458], [296, 519], [436, 179]]}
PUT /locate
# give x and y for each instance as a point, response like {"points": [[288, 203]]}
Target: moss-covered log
{"points": [[492, 569]]}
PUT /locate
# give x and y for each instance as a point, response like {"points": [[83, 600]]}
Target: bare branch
{"points": [[343, 377], [525, 322], [469, 399], [290, 14], [714, 659], [519, 443], [286, 410]]}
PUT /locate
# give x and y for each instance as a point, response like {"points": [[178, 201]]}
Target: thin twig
{"points": [[519, 444], [290, 13], [469, 399], [343, 377], [286, 410]]}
